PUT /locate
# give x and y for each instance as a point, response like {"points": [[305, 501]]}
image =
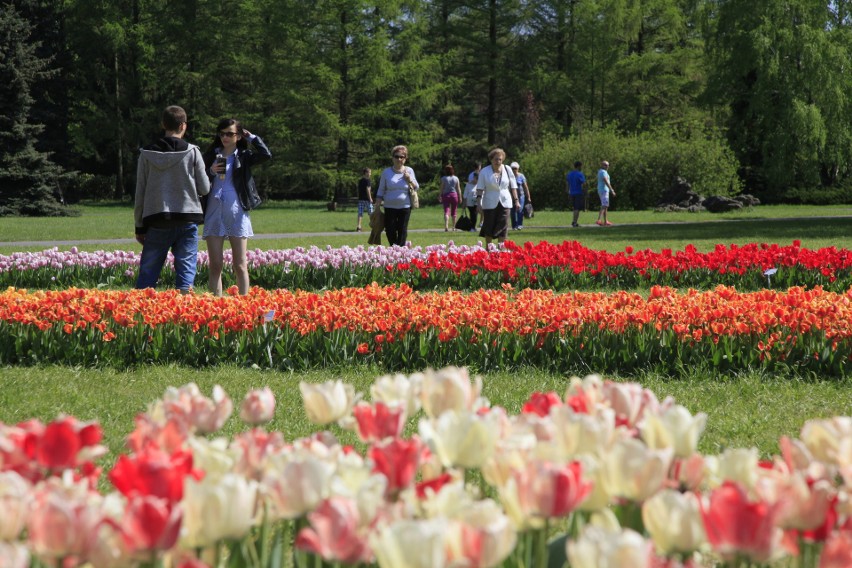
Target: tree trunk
{"points": [[119, 126], [491, 114]]}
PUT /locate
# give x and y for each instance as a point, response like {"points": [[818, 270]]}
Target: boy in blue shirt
{"points": [[575, 180]]}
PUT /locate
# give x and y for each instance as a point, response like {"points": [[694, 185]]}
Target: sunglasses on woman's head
{"points": [[228, 134], [399, 156]]}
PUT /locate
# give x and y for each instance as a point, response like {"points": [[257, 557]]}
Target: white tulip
{"points": [[674, 428], [448, 389], [461, 439], [633, 470], [673, 520], [411, 544], [601, 548], [398, 389], [327, 402], [217, 509]]}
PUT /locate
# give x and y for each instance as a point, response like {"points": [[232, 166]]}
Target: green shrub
{"points": [[642, 166], [819, 195]]}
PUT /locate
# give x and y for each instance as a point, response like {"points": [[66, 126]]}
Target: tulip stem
{"points": [[541, 545]]}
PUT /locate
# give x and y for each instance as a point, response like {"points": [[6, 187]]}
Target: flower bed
{"points": [[564, 266], [607, 472], [398, 328]]}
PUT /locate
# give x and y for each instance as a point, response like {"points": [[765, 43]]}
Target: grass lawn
{"points": [[745, 410], [815, 226], [750, 409]]}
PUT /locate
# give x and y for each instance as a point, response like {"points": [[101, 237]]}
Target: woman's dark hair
{"points": [[227, 123], [449, 170]]}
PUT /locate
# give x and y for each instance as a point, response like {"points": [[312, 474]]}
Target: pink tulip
{"points": [[486, 535], [337, 533], [151, 524], [296, 484], [253, 449], [258, 406], [378, 422], [152, 472], [548, 490], [630, 402], [398, 461], [736, 525], [168, 435], [837, 551], [205, 415], [63, 519], [15, 498], [14, 555]]}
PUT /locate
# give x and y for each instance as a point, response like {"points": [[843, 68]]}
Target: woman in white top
{"points": [[497, 195], [394, 194]]}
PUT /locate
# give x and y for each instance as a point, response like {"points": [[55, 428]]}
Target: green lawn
{"points": [[815, 226], [745, 410], [751, 409]]}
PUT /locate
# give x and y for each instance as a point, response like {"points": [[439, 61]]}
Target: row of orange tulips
{"points": [[400, 328]]}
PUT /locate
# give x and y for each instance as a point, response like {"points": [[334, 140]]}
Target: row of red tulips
{"points": [[564, 266], [399, 328]]}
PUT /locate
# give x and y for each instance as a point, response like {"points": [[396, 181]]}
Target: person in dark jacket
{"points": [[231, 198], [170, 180]]}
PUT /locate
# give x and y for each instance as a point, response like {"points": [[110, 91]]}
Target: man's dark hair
{"points": [[578, 164], [173, 117]]}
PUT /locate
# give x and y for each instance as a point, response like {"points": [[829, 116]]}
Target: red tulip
{"points": [[152, 472], [151, 523], [379, 421], [398, 461], [736, 525], [540, 403]]}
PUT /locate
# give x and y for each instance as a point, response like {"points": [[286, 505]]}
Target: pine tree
{"points": [[29, 180]]}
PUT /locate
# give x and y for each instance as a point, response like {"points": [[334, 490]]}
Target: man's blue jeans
{"points": [[183, 241]]}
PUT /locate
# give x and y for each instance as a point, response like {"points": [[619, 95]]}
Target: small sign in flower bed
{"points": [[426, 474], [564, 266], [399, 328]]}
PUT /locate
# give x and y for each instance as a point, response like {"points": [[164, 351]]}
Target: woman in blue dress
{"points": [[228, 205]]}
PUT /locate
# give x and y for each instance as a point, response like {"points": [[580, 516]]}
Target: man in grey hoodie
{"points": [[170, 180]]}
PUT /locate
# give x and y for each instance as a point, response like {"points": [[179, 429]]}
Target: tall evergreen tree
{"points": [[29, 180]]}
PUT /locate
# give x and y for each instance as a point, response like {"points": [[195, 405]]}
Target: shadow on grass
{"points": [[780, 231]]}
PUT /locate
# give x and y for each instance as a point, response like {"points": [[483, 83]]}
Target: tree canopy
{"points": [[332, 85]]}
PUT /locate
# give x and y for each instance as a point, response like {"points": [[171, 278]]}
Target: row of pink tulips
{"points": [[608, 467]]}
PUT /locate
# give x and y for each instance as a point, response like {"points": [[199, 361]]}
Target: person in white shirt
{"points": [[394, 194], [497, 196], [604, 189]]}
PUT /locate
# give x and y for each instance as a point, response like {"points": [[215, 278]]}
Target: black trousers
{"points": [[472, 211], [396, 225]]}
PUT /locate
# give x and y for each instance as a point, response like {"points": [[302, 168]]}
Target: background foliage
{"points": [[722, 93]]}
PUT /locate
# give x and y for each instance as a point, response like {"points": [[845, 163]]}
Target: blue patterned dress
{"points": [[225, 216]]}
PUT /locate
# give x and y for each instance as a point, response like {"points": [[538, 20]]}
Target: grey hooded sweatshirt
{"points": [[170, 180]]}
